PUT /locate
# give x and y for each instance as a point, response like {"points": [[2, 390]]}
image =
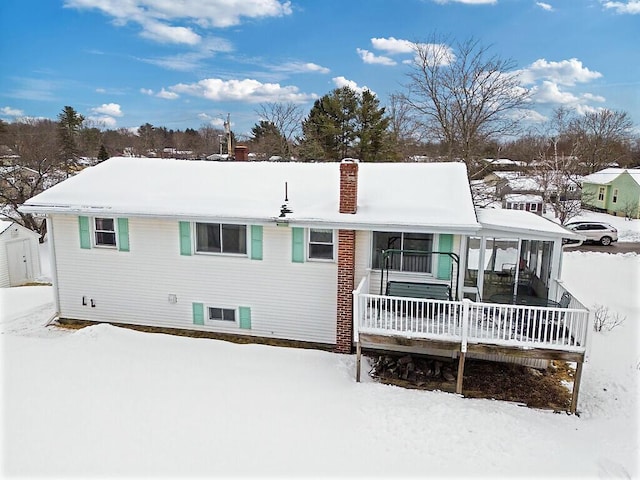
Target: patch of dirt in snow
{"points": [[548, 389]]}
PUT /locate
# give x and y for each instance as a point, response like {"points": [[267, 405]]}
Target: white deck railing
{"points": [[517, 326]]}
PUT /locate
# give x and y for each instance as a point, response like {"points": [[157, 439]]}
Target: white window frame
{"points": [[95, 231], [614, 197], [333, 245], [433, 267], [533, 207], [216, 321], [221, 252], [600, 194]]}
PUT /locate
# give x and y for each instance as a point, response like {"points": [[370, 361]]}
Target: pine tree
{"points": [[102, 154], [69, 123]]}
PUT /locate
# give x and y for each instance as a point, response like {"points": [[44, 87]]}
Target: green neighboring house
{"points": [[613, 190]]}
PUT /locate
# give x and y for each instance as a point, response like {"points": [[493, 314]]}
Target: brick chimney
{"points": [[348, 185], [346, 257]]}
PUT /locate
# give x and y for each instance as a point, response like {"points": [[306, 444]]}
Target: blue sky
{"points": [[185, 63]]}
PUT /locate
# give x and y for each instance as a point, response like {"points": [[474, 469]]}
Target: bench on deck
{"points": [[432, 291]]}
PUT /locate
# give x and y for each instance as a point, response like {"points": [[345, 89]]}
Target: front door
{"points": [[20, 262]]}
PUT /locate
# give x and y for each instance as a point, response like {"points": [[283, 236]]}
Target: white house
{"points": [[311, 252], [19, 257]]}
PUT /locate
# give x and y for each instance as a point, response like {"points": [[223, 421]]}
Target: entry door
{"points": [[20, 264]]}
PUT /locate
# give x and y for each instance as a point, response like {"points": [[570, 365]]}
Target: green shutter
{"points": [[444, 261], [256, 242], [185, 238], [123, 234], [85, 232], [245, 317], [198, 314], [297, 243]]}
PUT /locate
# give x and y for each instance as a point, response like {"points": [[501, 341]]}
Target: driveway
{"points": [[617, 247]]}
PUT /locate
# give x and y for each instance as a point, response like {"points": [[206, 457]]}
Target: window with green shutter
{"points": [[297, 244], [185, 238], [85, 232], [244, 313], [198, 314], [256, 242], [123, 234]]}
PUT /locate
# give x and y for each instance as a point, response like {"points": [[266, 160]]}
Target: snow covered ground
{"points": [[110, 401]]}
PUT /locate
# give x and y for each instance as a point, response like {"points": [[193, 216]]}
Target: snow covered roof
{"points": [[4, 224], [521, 224], [608, 175], [434, 196], [522, 197]]}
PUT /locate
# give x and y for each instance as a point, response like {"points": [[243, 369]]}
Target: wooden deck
{"points": [[466, 327]]}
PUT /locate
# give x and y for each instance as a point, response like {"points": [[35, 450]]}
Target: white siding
{"points": [[4, 264], [288, 300]]}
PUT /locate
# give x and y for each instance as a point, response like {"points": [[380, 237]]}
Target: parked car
{"points": [[598, 232]]}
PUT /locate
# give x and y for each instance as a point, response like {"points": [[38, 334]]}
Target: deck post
{"points": [[576, 388], [358, 360], [460, 372]]}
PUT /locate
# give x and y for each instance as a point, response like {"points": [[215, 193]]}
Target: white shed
{"points": [[19, 254]]}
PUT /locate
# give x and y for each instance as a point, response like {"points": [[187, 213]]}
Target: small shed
{"points": [[19, 254]]}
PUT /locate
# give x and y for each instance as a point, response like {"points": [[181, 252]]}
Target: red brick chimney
{"points": [[348, 185], [346, 257]]}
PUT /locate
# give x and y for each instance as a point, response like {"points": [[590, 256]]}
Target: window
{"points": [[413, 255], [105, 232], [615, 196], [320, 244], [221, 238], [601, 194], [533, 207], [222, 314]]}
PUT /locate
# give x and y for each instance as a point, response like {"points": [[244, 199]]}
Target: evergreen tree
{"points": [[69, 123], [345, 123], [103, 154]]}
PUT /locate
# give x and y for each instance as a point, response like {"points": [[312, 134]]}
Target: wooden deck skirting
{"points": [[388, 342]]}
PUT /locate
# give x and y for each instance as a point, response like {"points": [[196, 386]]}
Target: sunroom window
{"points": [[411, 252], [221, 238]]}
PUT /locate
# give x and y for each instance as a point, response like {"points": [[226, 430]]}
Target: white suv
{"points": [[599, 232]]}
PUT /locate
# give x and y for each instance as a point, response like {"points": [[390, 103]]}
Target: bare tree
{"points": [[406, 133], [465, 95], [34, 169], [287, 118], [602, 137]]}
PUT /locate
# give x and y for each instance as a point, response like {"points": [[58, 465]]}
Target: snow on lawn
{"points": [[110, 401], [628, 230]]}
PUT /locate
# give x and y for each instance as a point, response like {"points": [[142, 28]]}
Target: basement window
{"points": [[222, 314]]}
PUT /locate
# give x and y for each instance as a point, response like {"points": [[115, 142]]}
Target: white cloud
{"points": [[631, 7], [157, 17], [101, 90], [300, 67], [545, 6], [167, 95], [371, 58], [11, 112], [531, 116], [550, 93], [343, 82], [246, 90], [162, 33], [146, 91], [392, 45], [215, 121], [566, 72], [110, 109]]}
